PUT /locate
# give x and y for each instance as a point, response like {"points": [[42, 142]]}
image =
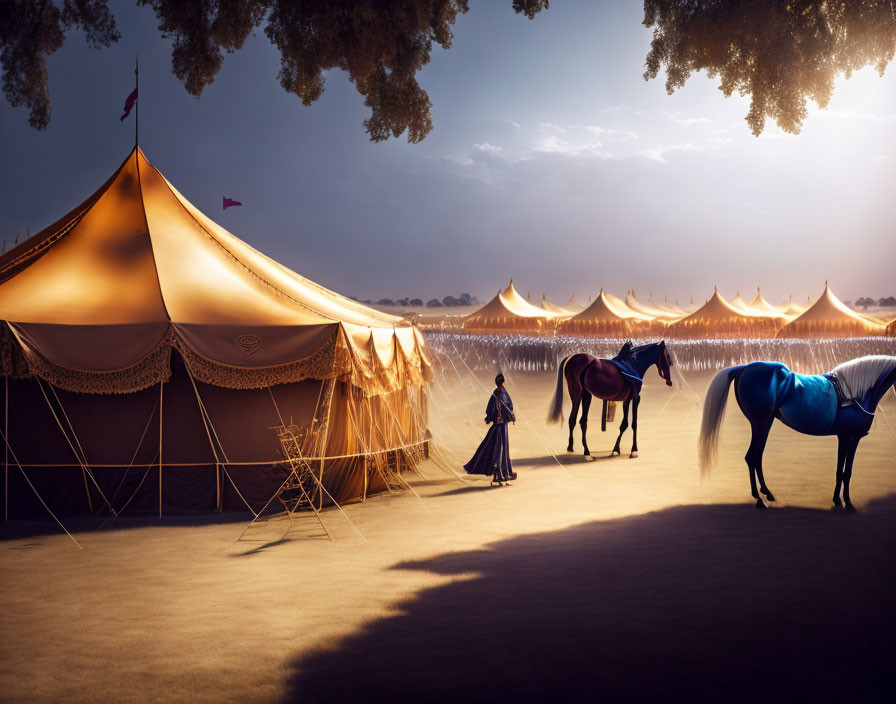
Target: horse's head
{"points": [[664, 363]]}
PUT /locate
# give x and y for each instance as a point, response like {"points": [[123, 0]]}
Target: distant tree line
{"points": [[464, 299], [867, 302]]}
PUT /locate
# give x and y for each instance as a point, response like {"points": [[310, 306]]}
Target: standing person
{"points": [[493, 455]]}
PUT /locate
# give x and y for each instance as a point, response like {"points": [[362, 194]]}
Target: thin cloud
{"points": [[552, 144], [459, 160], [487, 148], [659, 153], [687, 120]]}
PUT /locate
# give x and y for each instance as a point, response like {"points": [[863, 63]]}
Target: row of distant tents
{"points": [[609, 316]]}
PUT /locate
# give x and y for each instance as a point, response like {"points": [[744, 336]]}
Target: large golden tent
{"points": [[509, 312], [146, 348], [830, 317], [606, 318], [718, 318]]}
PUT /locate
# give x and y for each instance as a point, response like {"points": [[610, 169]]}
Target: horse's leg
{"points": [[851, 448], [842, 442], [622, 426], [759, 475], [574, 389], [753, 457], [586, 404], [635, 401], [573, 414]]}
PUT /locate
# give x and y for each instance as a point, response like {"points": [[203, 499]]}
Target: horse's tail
{"points": [[555, 413], [713, 413]]}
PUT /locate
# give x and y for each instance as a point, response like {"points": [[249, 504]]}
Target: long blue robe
{"points": [[492, 457]]}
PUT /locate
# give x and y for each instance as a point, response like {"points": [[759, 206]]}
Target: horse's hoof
{"points": [[849, 508], [589, 458], [760, 504], [587, 452], [615, 453], [634, 455], [768, 495], [837, 503], [569, 449]]}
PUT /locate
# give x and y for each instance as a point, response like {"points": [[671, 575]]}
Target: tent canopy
{"points": [[763, 306], [506, 314], [830, 317], [554, 309], [631, 300], [606, 317], [95, 302], [719, 318], [573, 305], [524, 307]]}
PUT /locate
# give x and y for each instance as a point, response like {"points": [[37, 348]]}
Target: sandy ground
{"points": [[616, 579]]}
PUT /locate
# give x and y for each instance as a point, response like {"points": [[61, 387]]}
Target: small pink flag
{"points": [[229, 201], [129, 103]]}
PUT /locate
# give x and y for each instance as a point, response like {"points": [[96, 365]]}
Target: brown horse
{"points": [[588, 376]]}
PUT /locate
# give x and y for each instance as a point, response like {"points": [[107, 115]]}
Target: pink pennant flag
{"points": [[228, 202], [129, 104]]}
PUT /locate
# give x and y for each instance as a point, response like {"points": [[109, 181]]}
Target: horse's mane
{"points": [[640, 348], [858, 376]]}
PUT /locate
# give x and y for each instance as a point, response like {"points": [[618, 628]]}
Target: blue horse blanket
{"points": [[630, 373], [810, 404]]}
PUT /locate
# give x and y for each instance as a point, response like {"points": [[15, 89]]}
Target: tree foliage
{"points": [[381, 44], [31, 30], [779, 52]]}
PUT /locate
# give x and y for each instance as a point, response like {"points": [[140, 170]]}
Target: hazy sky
{"points": [[551, 161]]}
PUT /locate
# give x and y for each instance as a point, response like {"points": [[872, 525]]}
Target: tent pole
{"points": [[161, 416], [323, 443], [6, 435], [137, 116]]}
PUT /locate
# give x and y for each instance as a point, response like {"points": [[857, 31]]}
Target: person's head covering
{"points": [[499, 379]]}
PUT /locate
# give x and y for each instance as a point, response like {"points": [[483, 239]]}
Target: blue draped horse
{"points": [[841, 403]]}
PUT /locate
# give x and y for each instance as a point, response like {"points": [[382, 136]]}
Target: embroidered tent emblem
{"points": [[248, 343]]}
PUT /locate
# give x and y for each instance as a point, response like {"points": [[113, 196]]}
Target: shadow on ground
{"points": [[567, 458], [21, 528], [694, 603]]}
